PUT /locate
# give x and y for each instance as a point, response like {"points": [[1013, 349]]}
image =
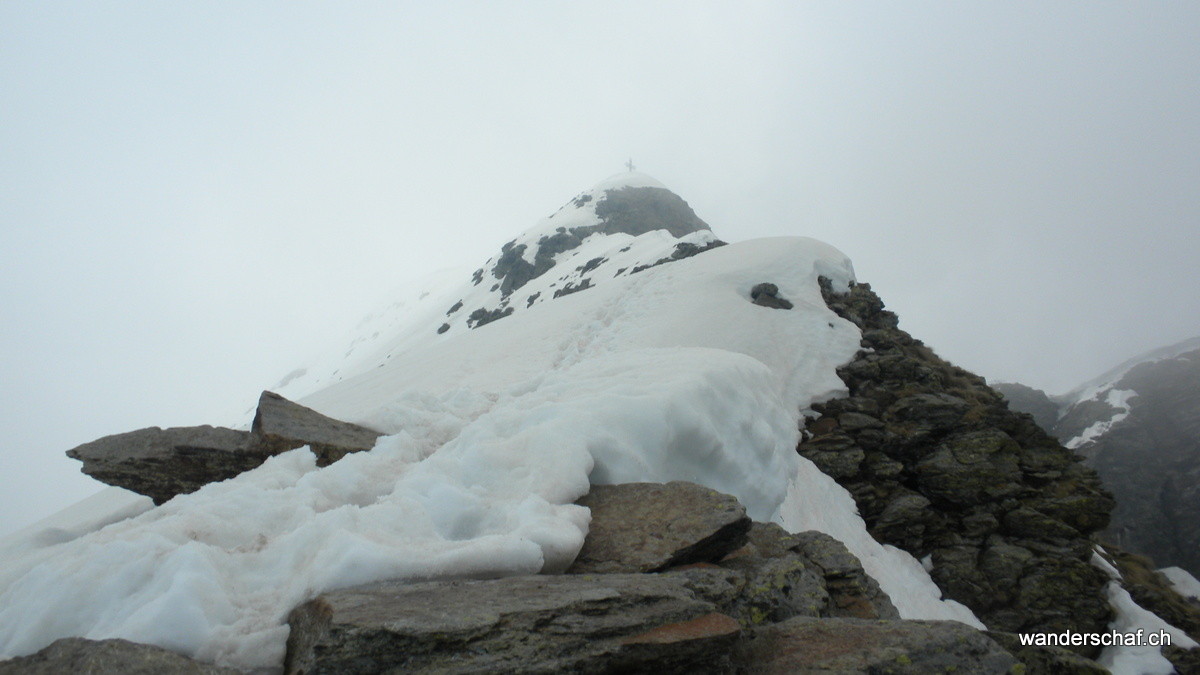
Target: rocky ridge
{"points": [[939, 467]]}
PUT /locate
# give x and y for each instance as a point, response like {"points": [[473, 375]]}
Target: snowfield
{"points": [[669, 374]]}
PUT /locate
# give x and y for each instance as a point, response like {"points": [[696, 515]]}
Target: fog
{"points": [[197, 198]]}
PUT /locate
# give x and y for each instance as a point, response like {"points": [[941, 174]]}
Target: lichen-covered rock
{"points": [[107, 657], [852, 592], [805, 645], [529, 624], [971, 468], [646, 527]]}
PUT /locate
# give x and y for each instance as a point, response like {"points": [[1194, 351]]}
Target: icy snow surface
{"points": [[1182, 581], [1131, 617], [671, 374]]}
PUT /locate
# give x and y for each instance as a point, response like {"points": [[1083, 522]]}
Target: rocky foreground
{"points": [[674, 578]]}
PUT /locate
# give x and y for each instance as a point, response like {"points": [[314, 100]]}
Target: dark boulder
{"points": [[767, 295]]}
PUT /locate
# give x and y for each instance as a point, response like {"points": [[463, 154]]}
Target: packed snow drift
{"points": [[670, 373]]}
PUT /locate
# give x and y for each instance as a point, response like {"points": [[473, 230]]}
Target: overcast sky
{"points": [[195, 198]]}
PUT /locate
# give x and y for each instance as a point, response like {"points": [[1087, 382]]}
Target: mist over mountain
{"points": [[619, 444]]}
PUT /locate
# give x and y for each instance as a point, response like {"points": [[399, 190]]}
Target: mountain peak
{"points": [[624, 224]]}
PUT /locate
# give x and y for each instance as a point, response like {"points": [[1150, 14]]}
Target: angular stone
{"points": [[647, 527], [804, 645], [533, 624], [107, 657], [161, 463], [281, 425], [852, 593], [776, 581]]}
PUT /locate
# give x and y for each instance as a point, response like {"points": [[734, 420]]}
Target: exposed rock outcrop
{"points": [[162, 463], [940, 467], [107, 657]]}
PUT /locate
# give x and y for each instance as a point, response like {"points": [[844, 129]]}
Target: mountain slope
{"points": [[1138, 425]]}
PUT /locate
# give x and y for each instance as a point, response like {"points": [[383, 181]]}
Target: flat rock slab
{"points": [[804, 645], [107, 657], [648, 527], [162, 463], [281, 425], [528, 624]]}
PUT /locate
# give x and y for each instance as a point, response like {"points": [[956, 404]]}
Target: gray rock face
{"points": [[804, 645], [939, 466], [162, 463], [647, 527], [107, 657], [281, 425], [532, 624]]}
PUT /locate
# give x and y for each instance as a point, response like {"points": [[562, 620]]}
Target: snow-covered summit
{"points": [[622, 226], [626, 223]]}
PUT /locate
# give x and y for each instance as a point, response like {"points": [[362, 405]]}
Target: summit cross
{"points": [[630, 164]]}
